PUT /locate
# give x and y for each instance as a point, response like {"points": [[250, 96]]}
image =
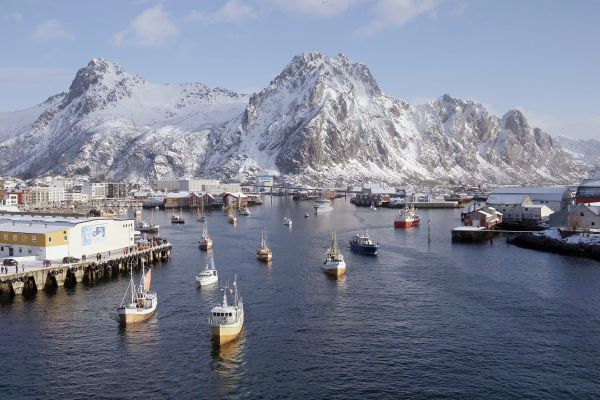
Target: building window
{"points": [[6, 236], [20, 249], [1, 248], [593, 223], [29, 250], [15, 238], [33, 239], [24, 238], [65, 237], [581, 214], [49, 240]]}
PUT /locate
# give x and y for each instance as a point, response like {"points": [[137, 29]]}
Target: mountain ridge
{"points": [[321, 120]]}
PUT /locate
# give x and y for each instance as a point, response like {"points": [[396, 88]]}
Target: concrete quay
{"points": [[102, 265]]}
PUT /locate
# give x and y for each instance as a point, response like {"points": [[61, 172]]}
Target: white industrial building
{"points": [[556, 197], [52, 238]]}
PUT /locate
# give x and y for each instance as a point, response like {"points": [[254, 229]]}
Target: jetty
{"points": [[479, 234], [103, 265]]}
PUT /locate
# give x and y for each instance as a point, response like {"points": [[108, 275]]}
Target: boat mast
{"points": [[132, 284], [235, 289]]}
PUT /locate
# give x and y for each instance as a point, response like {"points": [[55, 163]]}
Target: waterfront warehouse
{"points": [[53, 238]]}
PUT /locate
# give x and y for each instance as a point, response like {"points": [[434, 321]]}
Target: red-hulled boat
{"points": [[406, 218]]}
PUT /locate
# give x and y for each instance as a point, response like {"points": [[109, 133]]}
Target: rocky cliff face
{"points": [[321, 120]]}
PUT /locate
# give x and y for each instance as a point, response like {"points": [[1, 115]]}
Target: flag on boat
{"points": [[147, 280]]}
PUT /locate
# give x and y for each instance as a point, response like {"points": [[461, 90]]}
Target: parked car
{"points": [[68, 260], [10, 261]]}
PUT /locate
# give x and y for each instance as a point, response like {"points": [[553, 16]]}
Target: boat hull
{"points": [[364, 249], [224, 334], [148, 230], [265, 257], [335, 268], [406, 224], [320, 210], [132, 315], [205, 281], [206, 245]]}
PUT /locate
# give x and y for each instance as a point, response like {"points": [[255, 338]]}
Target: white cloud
{"points": [[153, 27], [394, 13], [13, 16], [325, 8], [232, 11], [50, 30]]}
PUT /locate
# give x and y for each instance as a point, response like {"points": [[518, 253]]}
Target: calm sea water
{"points": [[422, 320]]}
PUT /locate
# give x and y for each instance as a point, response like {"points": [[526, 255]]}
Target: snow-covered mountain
{"points": [[321, 120], [587, 150]]}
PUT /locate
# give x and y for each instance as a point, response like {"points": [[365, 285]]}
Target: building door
{"points": [[10, 251]]}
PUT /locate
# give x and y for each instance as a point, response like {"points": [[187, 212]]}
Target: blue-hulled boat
{"points": [[362, 243]]}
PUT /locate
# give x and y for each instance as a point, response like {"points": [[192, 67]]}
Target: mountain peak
{"points": [[104, 77], [331, 71]]}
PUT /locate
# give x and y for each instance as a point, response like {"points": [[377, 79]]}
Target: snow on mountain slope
{"points": [[321, 120], [116, 125]]}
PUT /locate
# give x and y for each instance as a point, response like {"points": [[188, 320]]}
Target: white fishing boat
{"points": [[226, 321], [177, 218], [209, 274], [244, 211], [322, 205], [334, 264], [263, 252], [287, 221], [306, 215], [205, 241], [141, 304], [148, 227]]}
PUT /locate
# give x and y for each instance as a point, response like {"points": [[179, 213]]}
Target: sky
{"points": [[540, 56]]}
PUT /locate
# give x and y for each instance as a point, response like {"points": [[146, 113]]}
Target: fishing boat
{"points": [[407, 217], [263, 252], [244, 211], [209, 274], [306, 215], [200, 212], [226, 321], [177, 218], [141, 304], [322, 205], [362, 243], [334, 264], [205, 241], [231, 218], [287, 221], [148, 227]]}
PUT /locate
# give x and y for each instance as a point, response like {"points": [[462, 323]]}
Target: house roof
{"points": [[594, 209], [507, 198], [552, 193], [590, 182]]}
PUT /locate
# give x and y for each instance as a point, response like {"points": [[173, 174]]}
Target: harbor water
{"points": [[423, 319]]}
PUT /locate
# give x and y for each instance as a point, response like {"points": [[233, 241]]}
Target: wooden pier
{"points": [[108, 265]]}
